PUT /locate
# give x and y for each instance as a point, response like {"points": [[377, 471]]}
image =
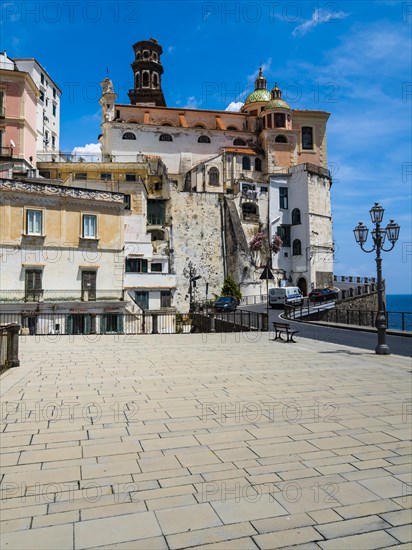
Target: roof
{"points": [[15, 59], [276, 104], [258, 95], [239, 150]]}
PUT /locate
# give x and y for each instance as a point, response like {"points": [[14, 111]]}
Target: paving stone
{"points": [[237, 544], [282, 523], [219, 534], [290, 537], [233, 511], [55, 519], [402, 533], [44, 538], [155, 543], [367, 508], [366, 541], [185, 518], [15, 525], [352, 527], [401, 517], [325, 516]]}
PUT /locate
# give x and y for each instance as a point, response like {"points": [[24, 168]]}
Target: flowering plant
{"points": [[257, 242], [276, 244]]}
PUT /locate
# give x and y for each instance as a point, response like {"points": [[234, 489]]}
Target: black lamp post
{"points": [[379, 234]]}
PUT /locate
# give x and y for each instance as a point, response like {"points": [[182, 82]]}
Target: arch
{"points": [[258, 164], [296, 248], [239, 141], [145, 79], [137, 80], [245, 163], [157, 235], [214, 176], [232, 129], [139, 55], [296, 219], [250, 212], [281, 139], [132, 121], [203, 139], [154, 56], [129, 135], [146, 54], [303, 285], [155, 80], [280, 120], [165, 137], [166, 123], [200, 125]]}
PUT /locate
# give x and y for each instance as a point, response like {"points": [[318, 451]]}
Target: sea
{"points": [[396, 304]]}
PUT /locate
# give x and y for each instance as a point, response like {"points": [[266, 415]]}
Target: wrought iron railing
{"points": [[39, 296]]}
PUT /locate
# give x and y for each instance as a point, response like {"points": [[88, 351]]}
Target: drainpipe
{"points": [[223, 236]]}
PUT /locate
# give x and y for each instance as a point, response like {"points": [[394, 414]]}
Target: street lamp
{"points": [[379, 234]]}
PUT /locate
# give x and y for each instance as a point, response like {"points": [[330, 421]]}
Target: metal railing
{"points": [[353, 279], [9, 346], [39, 296], [39, 323]]}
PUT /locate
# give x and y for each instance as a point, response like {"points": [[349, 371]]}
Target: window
{"points": [[105, 176], [155, 80], [156, 212], [130, 177], [245, 163], [284, 233], [80, 176], [145, 79], [34, 222], [283, 198], [232, 128], [165, 298], [307, 137], [54, 110], [156, 268], [89, 226], [136, 265], [296, 216], [42, 78], [258, 165], [279, 120], [213, 176], [280, 139], [54, 93], [137, 80], [297, 248], [263, 189], [203, 139], [127, 202], [238, 141], [33, 284], [129, 135], [53, 141], [165, 137], [45, 174], [250, 212], [41, 96], [142, 299]]}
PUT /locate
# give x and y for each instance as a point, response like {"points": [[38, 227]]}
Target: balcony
{"points": [[6, 152], [150, 280], [2, 112], [249, 195], [57, 296], [153, 220]]}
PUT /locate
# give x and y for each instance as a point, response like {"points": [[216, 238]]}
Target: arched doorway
{"points": [[302, 284]]}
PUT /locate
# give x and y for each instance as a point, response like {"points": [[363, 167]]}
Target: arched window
{"points": [[199, 126], [145, 79], [245, 163], [239, 141], [129, 135], [146, 54], [138, 55], [296, 216], [258, 164], [280, 120], [213, 176], [137, 80], [250, 212], [232, 128], [165, 137], [155, 80], [166, 124], [297, 248], [203, 139], [154, 54], [281, 139]]}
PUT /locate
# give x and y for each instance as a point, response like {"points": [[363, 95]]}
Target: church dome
{"points": [[276, 104], [258, 95]]}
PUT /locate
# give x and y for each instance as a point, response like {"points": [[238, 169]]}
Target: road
{"points": [[399, 345]]}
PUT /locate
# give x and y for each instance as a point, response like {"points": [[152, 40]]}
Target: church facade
{"points": [[232, 177]]}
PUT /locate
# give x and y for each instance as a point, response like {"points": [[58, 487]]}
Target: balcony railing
{"points": [[153, 220], [6, 152], [55, 296]]}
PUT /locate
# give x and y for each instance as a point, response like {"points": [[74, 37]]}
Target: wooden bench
{"points": [[280, 328]]}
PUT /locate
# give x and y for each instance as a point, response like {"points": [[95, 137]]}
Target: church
{"points": [[232, 177]]}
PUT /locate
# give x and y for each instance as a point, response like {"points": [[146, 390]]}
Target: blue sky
{"points": [[352, 59]]}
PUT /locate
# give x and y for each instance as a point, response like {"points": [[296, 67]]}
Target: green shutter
{"points": [[120, 319], [69, 324]]}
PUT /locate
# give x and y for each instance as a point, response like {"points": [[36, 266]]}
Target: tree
{"points": [[230, 288]]}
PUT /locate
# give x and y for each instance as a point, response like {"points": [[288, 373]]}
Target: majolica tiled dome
{"points": [[276, 103], [258, 95]]}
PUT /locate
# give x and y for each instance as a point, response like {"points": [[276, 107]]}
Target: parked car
{"points": [[322, 295], [226, 303], [285, 295]]}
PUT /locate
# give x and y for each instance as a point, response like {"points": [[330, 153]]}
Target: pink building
{"points": [[18, 116]]}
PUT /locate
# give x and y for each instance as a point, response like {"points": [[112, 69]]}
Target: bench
{"points": [[280, 328]]}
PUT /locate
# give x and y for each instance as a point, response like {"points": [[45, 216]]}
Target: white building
{"points": [[48, 106]]}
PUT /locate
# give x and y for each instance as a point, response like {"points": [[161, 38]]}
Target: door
{"points": [[89, 285], [33, 285], [303, 286]]}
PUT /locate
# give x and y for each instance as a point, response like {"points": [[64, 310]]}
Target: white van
{"points": [[285, 295]]}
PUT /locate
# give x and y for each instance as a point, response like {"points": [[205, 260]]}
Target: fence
{"points": [[9, 346], [38, 323], [396, 320]]}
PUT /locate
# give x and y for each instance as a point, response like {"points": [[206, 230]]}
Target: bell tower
{"points": [[147, 71]]}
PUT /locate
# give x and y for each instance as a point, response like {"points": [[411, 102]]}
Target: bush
{"points": [[230, 288]]}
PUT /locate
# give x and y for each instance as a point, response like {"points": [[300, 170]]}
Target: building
{"points": [[48, 106], [148, 275], [62, 257], [18, 119], [238, 174]]}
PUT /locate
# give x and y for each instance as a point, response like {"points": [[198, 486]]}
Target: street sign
{"points": [[266, 274]]}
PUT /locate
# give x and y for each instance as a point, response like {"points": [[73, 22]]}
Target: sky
{"points": [[351, 59]]}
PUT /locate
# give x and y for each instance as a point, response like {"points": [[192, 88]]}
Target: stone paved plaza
{"points": [[181, 441]]}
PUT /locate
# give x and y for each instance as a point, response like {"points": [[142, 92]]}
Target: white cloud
{"points": [[91, 152], [319, 17], [234, 106], [265, 69], [192, 103]]}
